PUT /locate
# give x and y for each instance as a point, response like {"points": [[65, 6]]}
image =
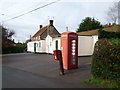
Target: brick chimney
{"points": [[41, 26], [51, 22]]}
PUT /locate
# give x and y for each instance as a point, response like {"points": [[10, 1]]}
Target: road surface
{"points": [[29, 70]]}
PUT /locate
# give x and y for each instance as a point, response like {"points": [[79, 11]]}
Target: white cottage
{"points": [[40, 43]]}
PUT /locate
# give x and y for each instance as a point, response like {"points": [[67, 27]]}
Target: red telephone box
{"points": [[69, 48]]}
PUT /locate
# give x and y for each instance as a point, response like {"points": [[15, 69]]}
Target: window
{"points": [[39, 44], [50, 43]]}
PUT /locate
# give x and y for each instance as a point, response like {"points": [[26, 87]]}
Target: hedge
{"points": [[115, 41], [106, 61], [13, 49], [104, 34]]}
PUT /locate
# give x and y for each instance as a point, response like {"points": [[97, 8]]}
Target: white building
{"points": [[87, 39], [40, 43], [86, 42], [86, 45]]}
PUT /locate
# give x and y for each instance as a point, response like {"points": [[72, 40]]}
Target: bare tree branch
{"points": [[113, 13]]}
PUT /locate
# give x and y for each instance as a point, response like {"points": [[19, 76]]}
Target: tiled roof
{"points": [[40, 31], [88, 33]]}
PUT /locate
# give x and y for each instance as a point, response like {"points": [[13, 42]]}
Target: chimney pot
{"points": [[51, 22], [41, 26]]}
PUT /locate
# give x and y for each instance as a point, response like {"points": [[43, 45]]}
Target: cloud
{"points": [[64, 13]]}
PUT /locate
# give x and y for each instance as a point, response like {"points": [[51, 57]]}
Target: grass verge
{"points": [[102, 83]]}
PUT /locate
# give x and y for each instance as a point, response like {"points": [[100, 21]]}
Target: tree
{"points": [[88, 24], [112, 13], [6, 33]]}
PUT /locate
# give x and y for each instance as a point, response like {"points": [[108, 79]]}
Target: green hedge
{"points": [[115, 41], [106, 61], [104, 34], [13, 49]]}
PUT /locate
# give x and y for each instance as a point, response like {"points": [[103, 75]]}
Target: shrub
{"points": [[104, 34], [102, 83], [106, 61], [115, 41], [13, 49]]}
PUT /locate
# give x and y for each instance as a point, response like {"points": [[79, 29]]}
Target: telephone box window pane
{"points": [[73, 42], [73, 47], [73, 51]]}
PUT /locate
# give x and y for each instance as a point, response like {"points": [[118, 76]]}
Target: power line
{"points": [[15, 4], [31, 11], [2, 14]]}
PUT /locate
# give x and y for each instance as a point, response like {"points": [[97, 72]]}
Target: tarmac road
{"points": [[29, 70]]}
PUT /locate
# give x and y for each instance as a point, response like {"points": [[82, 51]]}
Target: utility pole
{"points": [[30, 38], [67, 28], [2, 19]]}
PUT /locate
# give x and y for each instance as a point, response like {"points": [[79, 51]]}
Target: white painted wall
{"points": [[40, 46], [85, 45], [44, 45], [48, 44], [51, 44], [95, 39], [30, 47]]}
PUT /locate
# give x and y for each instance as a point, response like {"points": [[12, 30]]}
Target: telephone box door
{"points": [[73, 52]]}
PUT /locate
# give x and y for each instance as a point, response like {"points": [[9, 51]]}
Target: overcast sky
{"points": [[64, 13]]}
